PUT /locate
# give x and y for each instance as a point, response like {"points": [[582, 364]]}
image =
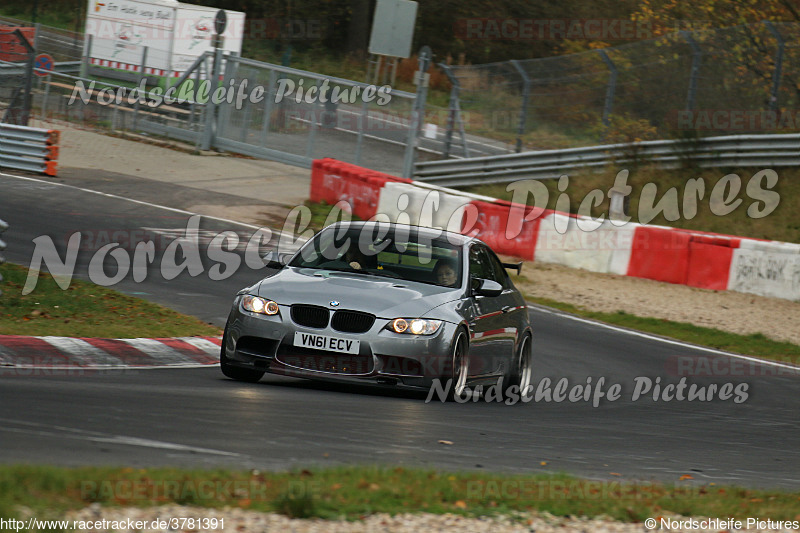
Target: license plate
{"points": [[324, 342]]}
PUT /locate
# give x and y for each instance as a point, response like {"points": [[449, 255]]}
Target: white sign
{"points": [[393, 28]]}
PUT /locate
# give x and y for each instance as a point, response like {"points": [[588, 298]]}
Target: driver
{"points": [[355, 258], [445, 273]]}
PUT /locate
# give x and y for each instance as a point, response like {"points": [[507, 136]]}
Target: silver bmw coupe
{"points": [[387, 304]]}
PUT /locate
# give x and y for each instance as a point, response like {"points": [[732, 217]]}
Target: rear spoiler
{"points": [[517, 266]]}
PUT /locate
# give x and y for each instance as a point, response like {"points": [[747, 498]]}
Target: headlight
{"points": [[415, 326], [263, 306]]}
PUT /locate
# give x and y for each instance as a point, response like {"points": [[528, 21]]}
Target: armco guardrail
{"points": [[18, 69], [774, 150], [31, 149], [3, 227]]}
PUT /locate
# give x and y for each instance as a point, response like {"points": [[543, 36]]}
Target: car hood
{"points": [[384, 297]]}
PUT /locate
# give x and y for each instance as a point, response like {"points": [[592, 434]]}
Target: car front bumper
{"points": [[267, 343]]}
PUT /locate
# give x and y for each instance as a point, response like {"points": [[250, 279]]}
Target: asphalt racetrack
{"points": [[196, 417]]}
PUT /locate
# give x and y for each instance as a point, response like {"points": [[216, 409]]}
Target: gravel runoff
{"points": [[245, 521], [730, 311]]}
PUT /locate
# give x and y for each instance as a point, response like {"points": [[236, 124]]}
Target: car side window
{"points": [[480, 265], [500, 274]]}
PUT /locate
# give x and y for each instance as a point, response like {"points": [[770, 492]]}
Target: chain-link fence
{"points": [[305, 116], [16, 70], [282, 115], [287, 114], [742, 79], [62, 45]]}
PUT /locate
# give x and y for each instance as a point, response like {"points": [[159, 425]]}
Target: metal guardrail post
{"points": [[523, 112], [211, 107], [696, 57], [87, 54], [193, 102], [269, 103], [37, 30], [139, 84], [224, 110], [453, 107], [245, 116], [3, 227], [362, 119], [777, 73], [611, 88], [315, 116], [48, 79], [416, 115]]}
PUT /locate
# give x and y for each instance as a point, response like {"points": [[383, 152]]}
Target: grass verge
{"points": [[354, 491], [85, 310], [323, 214]]}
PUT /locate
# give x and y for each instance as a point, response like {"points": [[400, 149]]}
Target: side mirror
{"points": [[487, 287]]}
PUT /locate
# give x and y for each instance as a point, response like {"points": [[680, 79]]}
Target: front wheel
{"points": [[234, 372]]}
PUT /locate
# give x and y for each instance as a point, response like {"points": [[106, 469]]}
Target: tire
{"points": [[520, 374], [459, 366], [233, 372]]}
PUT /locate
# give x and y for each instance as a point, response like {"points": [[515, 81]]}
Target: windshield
{"points": [[392, 252]]}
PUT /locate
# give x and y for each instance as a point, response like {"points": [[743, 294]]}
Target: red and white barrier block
{"points": [[698, 259]]}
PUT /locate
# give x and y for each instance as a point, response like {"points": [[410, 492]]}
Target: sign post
{"points": [[220, 23]]}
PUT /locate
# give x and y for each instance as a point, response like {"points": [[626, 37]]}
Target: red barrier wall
{"points": [[333, 181], [658, 253], [710, 261], [318, 169], [491, 226], [661, 254]]}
